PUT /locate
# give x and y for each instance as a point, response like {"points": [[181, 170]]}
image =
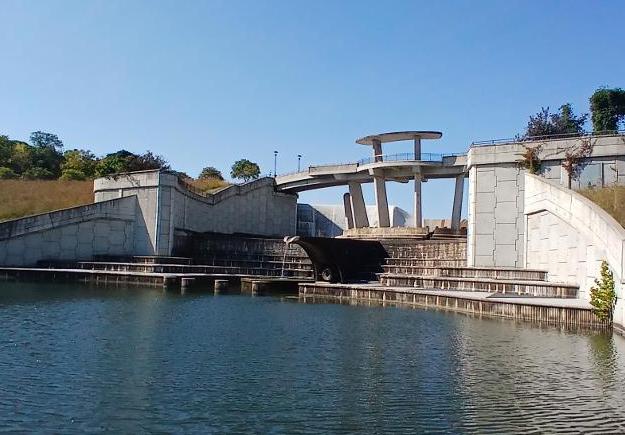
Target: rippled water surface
{"points": [[76, 359]]}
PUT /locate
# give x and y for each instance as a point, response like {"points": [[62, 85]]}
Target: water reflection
{"points": [[126, 360]]}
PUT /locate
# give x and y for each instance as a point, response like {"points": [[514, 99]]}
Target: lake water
{"points": [[75, 359]]}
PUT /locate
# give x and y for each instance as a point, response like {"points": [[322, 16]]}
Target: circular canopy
{"points": [[397, 136]]}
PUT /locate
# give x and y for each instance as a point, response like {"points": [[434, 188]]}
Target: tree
{"points": [[550, 124], [211, 172], [607, 107], [46, 140], [77, 162], [602, 294], [125, 161], [146, 161], [245, 170]]}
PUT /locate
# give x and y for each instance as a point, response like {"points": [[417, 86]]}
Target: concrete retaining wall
{"points": [[496, 192], [169, 207], [79, 233], [569, 235]]}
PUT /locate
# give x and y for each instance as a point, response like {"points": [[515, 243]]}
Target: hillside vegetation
{"points": [[611, 199], [20, 198]]}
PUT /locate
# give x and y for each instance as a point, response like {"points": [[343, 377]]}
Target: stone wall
{"points": [[79, 233], [170, 208], [496, 192], [568, 236]]}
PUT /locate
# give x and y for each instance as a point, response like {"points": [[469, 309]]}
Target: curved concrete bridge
{"points": [[378, 169]]}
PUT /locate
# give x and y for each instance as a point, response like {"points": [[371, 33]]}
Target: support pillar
{"points": [[381, 201], [377, 150], [347, 203], [417, 212], [457, 210], [359, 210]]}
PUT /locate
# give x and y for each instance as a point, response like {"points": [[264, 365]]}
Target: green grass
{"points": [[611, 199], [19, 198]]}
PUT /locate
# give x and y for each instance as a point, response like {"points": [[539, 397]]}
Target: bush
{"points": [[38, 173], [7, 173], [73, 174], [602, 294]]}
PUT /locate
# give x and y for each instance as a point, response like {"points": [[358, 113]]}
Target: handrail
{"points": [[546, 137], [408, 157]]}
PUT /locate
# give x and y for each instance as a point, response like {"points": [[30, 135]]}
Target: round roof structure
{"points": [[397, 136]]}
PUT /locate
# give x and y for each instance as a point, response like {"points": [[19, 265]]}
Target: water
{"points": [[75, 359]]}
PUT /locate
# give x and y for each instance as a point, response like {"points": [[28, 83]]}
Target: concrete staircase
{"points": [[441, 264]]}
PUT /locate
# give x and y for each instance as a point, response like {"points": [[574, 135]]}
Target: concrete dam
{"points": [[530, 250]]}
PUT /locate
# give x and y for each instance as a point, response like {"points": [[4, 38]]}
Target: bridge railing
{"points": [[401, 157], [518, 138]]}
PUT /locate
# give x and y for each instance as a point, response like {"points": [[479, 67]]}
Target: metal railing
{"points": [[401, 157], [519, 138]]}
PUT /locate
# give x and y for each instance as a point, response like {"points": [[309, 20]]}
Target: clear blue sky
{"points": [[209, 82]]}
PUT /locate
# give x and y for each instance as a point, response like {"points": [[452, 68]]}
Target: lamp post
{"points": [[275, 163], [299, 159]]}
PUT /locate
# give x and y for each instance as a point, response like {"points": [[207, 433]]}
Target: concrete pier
{"points": [[457, 209], [384, 220], [347, 203], [359, 210]]}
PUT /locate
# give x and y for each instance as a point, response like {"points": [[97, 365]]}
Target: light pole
{"points": [[299, 159], [275, 163]]}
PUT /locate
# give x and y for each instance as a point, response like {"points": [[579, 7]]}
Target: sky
{"points": [[205, 83]]}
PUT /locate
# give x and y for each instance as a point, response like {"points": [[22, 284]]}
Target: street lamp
{"points": [[275, 163], [299, 159]]}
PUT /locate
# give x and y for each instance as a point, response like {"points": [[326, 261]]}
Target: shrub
{"points": [[7, 173], [602, 294], [73, 174]]}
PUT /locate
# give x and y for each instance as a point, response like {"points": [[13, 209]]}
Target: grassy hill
{"points": [[611, 199], [20, 198]]}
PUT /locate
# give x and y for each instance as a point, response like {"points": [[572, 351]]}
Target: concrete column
{"points": [[457, 210], [381, 201], [417, 211], [347, 203], [359, 210], [377, 150]]}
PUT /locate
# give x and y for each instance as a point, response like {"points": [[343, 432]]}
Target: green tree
{"points": [[46, 140], [245, 170], [125, 161], [545, 123], [76, 162], [6, 149], [211, 172], [602, 294], [607, 107]]}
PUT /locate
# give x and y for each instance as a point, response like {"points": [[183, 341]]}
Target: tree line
{"points": [[43, 157], [607, 114]]}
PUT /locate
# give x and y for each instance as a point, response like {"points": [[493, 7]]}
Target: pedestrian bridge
{"points": [[415, 166]]}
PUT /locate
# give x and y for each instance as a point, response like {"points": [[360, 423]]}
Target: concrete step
{"points": [[429, 249], [467, 272], [426, 262], [291, 270], [529, 288], [144, 259]]}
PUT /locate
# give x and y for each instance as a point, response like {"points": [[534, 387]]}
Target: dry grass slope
{"points": [[19, 198], [611, 199]]}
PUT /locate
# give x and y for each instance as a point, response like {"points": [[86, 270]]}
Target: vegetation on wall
{"points": [[575, 159], [602, 294], [530, 158]]}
